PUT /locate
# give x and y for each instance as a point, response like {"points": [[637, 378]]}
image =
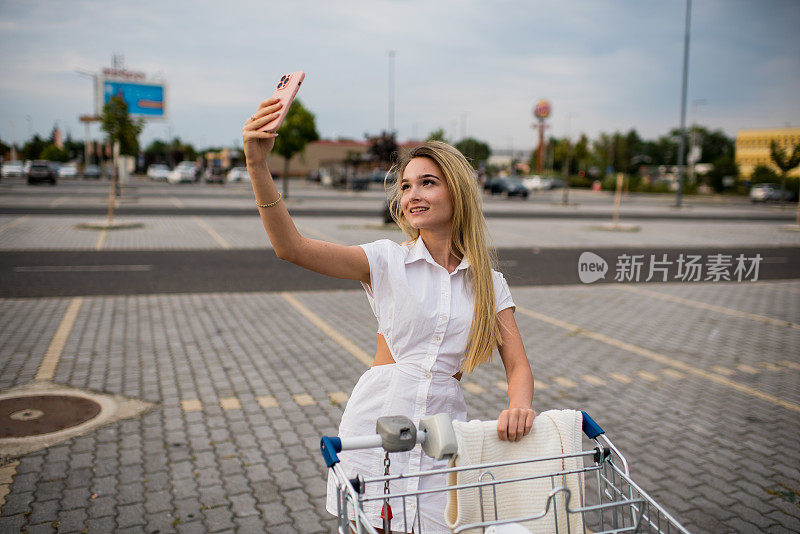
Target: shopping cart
{"points": [[608, 501]]}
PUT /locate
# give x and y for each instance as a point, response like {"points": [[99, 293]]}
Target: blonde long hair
{"points": [[468, 238]]}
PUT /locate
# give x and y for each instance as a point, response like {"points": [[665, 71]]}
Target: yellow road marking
{"points": [[12, 224], [747, 369], [7, 473], [537, 384], [328, 330], [502, 384], [48, 366], [650, 377], [661, 358], [176, 202], [619, 377], [304, 399], [564, 382], [593, 380], [191, 405], [230, 403], [673, 373], [769, 366], [101, 240], [472, 387], [792, 365], [711, 307], [723, 370], [267, 401], [218, 238], [59, 200], [339, 397]]}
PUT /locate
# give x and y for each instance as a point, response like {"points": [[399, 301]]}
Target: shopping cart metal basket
{"points": [[607, 500]]}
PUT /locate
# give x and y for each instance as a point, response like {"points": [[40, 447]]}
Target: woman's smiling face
{"points": [[425, 198]]}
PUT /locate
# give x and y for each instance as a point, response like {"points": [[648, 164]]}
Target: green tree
{"points": [[784, 162], [722, 166], [119, 126], [436, 135], [52, 153], [33, 148], [763, 174], [298, 129], [474, 150]]}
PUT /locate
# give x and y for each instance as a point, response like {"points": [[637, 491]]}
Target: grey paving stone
{"points": [[218, 519], [129, 515], [72, 520], [43, 511], [12, 522]]}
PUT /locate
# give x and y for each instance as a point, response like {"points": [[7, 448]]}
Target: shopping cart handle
{"points": [[590, 428], [330, 446]]}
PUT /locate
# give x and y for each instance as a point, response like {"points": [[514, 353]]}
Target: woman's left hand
{"points": [[515, 423]]}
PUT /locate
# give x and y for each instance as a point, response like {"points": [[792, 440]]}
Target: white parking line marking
{"points": [[48, 366], [176, 202], [502, 384], [328, 330], [723, 370], [218, 238], [673, 373], [662, 359], [747, 369], [711, 307], [650, 377]]}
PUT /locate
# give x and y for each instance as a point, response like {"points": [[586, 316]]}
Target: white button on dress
{"points": [[427, 333]]}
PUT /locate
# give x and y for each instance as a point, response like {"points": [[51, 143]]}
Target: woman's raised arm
{"points": [[330, 259]]}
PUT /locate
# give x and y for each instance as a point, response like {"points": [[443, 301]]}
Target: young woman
{"points": [[440, 307]]}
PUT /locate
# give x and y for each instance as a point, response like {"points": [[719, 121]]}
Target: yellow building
{"points": [[752, 148]]}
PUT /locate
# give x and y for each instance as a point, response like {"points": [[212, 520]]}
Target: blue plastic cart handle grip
{"points": [[590, 428], [330, 446]]}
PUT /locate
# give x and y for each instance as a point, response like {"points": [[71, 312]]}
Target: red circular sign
{"points": [[542, 109]]}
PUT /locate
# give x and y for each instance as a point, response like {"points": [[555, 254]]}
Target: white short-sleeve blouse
{"points": [[425, 315]]}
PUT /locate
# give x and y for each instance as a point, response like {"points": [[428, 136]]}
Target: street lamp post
{"points": [[87, 119], [682, 145]]}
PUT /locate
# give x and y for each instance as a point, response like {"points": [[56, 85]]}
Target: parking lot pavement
{"points": [[699, 389]]}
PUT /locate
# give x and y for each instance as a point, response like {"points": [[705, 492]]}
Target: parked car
{"points": [[510, 186], [42, 171], [214, 175], [68, 170], [238, 174], [158, 171], [543, 183], [184, 172], [13, 168], [91, 171], [769, 193]]}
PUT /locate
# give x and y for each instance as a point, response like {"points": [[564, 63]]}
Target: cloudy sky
{"points": [[473, 67]]}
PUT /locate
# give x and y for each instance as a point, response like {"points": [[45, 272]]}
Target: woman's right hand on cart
{"points": [[257, 144]]}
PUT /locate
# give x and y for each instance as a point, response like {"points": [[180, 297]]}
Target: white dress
{"points": [[425, 315]]}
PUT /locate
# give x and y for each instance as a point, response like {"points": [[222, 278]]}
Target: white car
{"points": [[69, 170], [13, 168], [184, 172], [158, 171], [537, 183], [238, 174]]}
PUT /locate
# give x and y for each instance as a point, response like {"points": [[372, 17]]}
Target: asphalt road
{"points": [[76, 273]]}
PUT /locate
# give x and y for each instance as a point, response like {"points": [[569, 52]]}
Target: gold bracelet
{"points": [[271, 203]]}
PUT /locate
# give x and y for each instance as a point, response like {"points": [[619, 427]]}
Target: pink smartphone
{"points": [[286, 91]]}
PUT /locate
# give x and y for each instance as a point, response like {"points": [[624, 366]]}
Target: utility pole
{"points": [[391, 90], [682, 145]]}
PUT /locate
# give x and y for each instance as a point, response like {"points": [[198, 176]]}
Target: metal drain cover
{"points": [[42, 414]]}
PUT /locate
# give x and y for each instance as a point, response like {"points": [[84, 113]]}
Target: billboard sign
{"points": [[145, 99]]}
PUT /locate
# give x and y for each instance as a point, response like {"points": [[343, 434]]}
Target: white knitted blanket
{"points": [[554, 432]]}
